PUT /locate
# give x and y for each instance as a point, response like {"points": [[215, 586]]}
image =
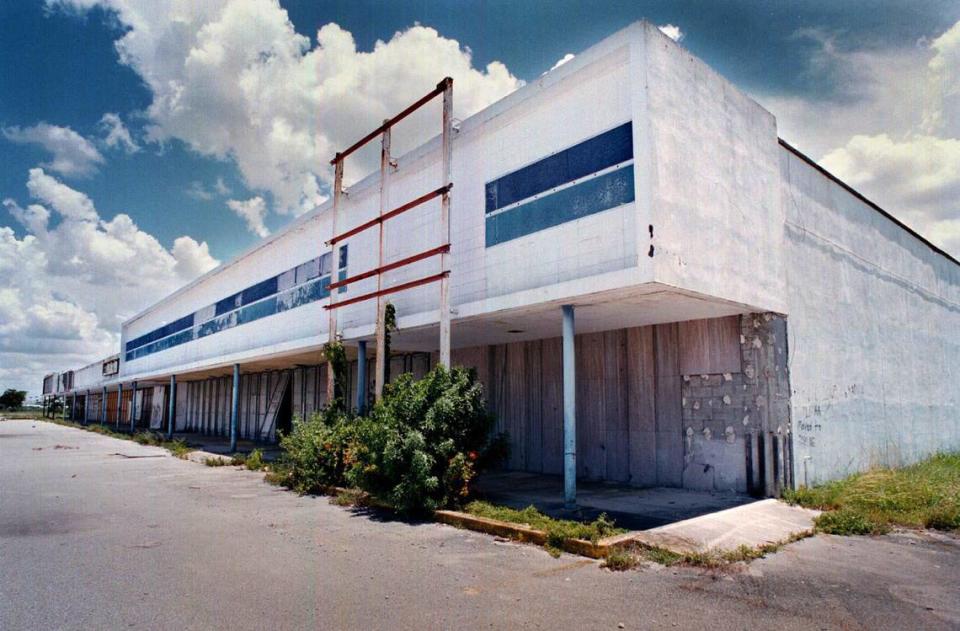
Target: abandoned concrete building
{"points": [[630, 249]]}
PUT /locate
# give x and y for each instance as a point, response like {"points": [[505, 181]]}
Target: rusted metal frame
{"points": [[389, 290], [446, 148], [334, 268], [390, 215], [390, 122], [391, 266], [380, 360]]}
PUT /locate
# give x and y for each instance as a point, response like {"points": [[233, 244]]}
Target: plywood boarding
{"points": [[709, 347]]}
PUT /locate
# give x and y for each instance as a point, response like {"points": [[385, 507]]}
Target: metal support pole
{"points": [[133, 407], [334, 265], [361, 376], [381, 358], [86, 408], [64, 410], [103, 406], [172, 406], [234, 407], [569, 410], [119, 404], [446, 142], [73, 406]]}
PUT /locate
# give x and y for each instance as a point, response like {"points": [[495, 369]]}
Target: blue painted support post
{"points": [[569, 410], [86, 408], [233, 408], [103, 406], [172, 409], [133, 407], [119, 403], [361, 376]]}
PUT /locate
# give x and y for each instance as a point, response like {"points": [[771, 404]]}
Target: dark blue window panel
{"points": [[177, 325], [258, 291], [253, 303], [227, 304], [257, 310], [589, 156], [586, 198]]}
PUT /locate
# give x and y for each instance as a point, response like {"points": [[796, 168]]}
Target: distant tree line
{"points": [[12, 399]]}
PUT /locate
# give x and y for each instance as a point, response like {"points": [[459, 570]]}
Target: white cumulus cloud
{"points": [[117, 134], [252, 211], [69, 282], [73, 155], [893, 131], [671, 31], [234, 80]]}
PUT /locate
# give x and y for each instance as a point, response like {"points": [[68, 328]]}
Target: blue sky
{"points": [[169, 135]]}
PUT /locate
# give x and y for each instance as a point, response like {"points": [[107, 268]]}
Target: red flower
{"points": [[473, 455]]}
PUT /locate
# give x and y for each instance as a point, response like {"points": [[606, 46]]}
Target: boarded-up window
{"points": [[710, 347]]}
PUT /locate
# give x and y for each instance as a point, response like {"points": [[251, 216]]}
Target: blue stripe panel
{"points": [[178, 325], [254, 302], [590, 196], [589, 156]]}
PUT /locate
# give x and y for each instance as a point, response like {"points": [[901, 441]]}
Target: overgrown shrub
{"points": [[315, 451], [419, 447]]}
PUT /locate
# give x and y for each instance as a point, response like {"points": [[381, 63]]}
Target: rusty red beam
{"points": [[391, 266], [390, 215], [437, 91], [389, 290]]}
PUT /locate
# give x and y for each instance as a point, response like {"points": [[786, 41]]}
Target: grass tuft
{"points": [[620, 560], [557, 530], [924, 495]]}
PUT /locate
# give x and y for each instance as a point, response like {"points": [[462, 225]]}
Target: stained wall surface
{"points": [[874, 332]]}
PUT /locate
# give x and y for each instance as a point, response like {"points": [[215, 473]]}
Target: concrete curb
{"points": [[519, 532]]}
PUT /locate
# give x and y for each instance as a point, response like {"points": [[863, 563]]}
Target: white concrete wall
{"points": [[713, 181], [873, 329], [88, 377], [580, 100]]}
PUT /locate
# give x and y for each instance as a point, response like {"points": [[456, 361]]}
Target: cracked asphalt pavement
{"points": [[106, 534]]}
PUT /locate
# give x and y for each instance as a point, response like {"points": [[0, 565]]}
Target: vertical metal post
{"points": [[334, 265], [103, 406], [361, 376], [234, 406], [381, 357], [446, 144], [172, 406], [569, 410], [64, 411], [86, 408], [119, 403], [133, 407], [73, 406]]}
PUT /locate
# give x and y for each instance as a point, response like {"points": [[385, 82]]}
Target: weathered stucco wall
{"points": [[700, 404], [714, 181], [874, 332]]}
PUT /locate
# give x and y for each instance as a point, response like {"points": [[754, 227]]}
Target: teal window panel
{"points": [[583, 199]]}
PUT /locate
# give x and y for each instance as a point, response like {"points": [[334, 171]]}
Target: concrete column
{"points": [[361, 376], [103, 406], [569, 410], [133, 408], [233, 408], [119, 403], [172, 409]]}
